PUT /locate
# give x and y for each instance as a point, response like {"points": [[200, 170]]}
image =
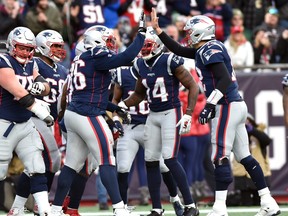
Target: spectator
{"points": [[282, 6], [221, 13], [179, 21], [282, 47], [10, 16], [258, 143], [254, 11], [240, 50], [44, 15], [238, 20]]}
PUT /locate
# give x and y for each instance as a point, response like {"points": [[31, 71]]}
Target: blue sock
{"points": [[50, 176], [23, 187], [255, 171], [63, 185], [154, 183], [180, 177], [38, 183], [170, 183], [76, 190], [108, 176], [123, 186]]}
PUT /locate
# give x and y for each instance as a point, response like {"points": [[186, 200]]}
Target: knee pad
{"points": [[249, 162], [222, 172], [3, 170], [36, 164], [151, 164]]}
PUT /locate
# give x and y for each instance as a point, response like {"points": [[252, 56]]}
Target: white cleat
{"points": [[213, 213], [271, 209], [56, 213], [123, 212], [16, 212]]}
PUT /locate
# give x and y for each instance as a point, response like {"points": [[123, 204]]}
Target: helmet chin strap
{"points": [[21, 60]]}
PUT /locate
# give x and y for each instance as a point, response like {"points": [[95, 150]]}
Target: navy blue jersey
{"points": [[90, 77], [161, 84], [10, 109], [56, 79], [213, 52], [90, 14], [127, 80]]}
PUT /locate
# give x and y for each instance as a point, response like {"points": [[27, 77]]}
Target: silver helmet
{"points": [[199, 28], [152, 44], [99, 36], [51, 44], [21, 44]]}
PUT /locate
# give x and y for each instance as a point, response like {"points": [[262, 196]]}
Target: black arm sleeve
{"points": [[40, 78], [112, 107], [220, 72], [175, 47]]}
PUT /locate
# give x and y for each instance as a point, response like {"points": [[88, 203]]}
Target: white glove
{"points": [[37, 88], [122, 105], [42, 110], [185, 124]]}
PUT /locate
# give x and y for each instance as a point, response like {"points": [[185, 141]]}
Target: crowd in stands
{"points": [[254, 32]]}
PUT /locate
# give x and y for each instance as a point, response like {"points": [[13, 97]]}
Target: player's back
{"points": [[127, 81], [162, 86], [215, 52], [10, 109], [56, 78]]}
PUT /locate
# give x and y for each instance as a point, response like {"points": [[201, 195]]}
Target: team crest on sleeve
{"points": [[207, 55], [176, 59], [285, 80]]}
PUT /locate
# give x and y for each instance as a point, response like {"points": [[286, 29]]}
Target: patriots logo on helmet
{"points": [[197, 20], [207, 55], [47, 34], [17, 32]]}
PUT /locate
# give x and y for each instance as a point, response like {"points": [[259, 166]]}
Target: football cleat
{"points": [[16, 212], [191, 211], [154, 213], [178, 208], [269, 209], [72, 212], [213, 213], [65, 203]]}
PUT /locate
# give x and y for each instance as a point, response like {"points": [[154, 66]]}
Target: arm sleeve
{"points": [[175, 47], [220, 72]]}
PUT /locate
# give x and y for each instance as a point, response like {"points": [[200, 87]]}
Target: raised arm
{"points": [[171, 44]]}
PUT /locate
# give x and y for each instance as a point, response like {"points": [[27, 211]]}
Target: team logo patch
{"points": [[197, 20], [47, 34], [207, 55], [176, 59]]}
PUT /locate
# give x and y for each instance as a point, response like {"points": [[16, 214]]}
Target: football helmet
{"points": [[21, 44], [99, 36], [51, 44], [152, 44], [80, 47], [199, 28]]}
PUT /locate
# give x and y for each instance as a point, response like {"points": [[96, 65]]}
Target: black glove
{"points": [[124, 115], [207, 113], [142, 24], [119, 127]]}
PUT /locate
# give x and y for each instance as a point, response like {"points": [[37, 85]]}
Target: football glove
{"points": [[207, 113], [37, 88], [42, 110], [124, 115], [185, 124], [142, 24], [118, 125], [122, 105]]}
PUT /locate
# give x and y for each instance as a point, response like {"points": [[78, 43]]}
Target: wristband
{"points": [[214, 97]]}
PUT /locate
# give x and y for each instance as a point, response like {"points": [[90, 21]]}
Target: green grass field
{"points": [[144, 210]]}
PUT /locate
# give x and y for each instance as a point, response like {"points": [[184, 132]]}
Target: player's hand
{"points": [[42, 110], [123, 105], [142, 23], [185, 124], [124, 115], [207, 113], [118, 125], [154, 21], [37, 88]]}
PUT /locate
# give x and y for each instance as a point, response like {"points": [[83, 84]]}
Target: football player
{"points": [[159, 75], [224, 106]]}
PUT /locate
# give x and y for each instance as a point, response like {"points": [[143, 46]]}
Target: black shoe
{"points": [[103, 206], [191, 211], [178, 208], [154, 213]]}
